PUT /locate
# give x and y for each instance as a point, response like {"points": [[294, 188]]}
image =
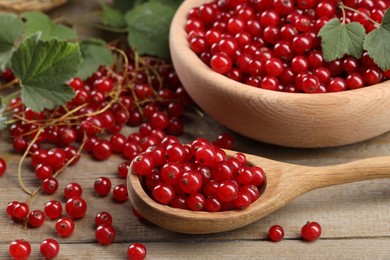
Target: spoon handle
{"points": [[366, 169]]}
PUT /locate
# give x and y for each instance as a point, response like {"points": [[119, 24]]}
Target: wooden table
{"points": [[355, 217]]}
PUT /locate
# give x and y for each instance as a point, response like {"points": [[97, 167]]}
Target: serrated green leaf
{"points": [[94, 54], [149, 28], [43, 68], [339, 39], [377, 43], [40, 22], [11, 29], [113, 17]]}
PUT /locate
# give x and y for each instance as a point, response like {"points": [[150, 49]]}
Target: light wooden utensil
{"points": [[286, 119], [285, 182], [19, 6]]}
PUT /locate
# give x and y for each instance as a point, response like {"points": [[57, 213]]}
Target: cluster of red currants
{"points": [[199, 176], [275, 44]]}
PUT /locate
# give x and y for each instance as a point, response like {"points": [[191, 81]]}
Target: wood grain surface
{"points": [[355, 217]]}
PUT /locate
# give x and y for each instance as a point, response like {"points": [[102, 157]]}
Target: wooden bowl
{"points": [[286, 119]]}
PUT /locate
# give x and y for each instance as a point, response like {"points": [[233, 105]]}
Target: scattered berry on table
{"points": [[311, 231], [276, 233]]}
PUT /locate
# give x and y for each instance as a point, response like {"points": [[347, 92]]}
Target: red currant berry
{"points": [[136, 251], [73, 190], [21, 210], [43, 171], [221, 63], [102, 186], [163, 193], [49, 248], [3, 166], [103, 218], [49, 185], [105, 234], [36, 218], [120, 193], [64, 226], [276, 233], [102, 149], [19, 249], [190, 182], [53, 209], [143, 164], [76, 207], [311, 231]]}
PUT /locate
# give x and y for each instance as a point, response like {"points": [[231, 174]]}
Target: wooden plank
{"points": [[287, 249]]}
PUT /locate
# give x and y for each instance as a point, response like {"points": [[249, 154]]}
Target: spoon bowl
{"points": [[285, 119], [285, 182]]}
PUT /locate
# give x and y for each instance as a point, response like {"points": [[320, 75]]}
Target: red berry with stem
{"points": [[49, 248], [120, 193], [36, 218], [276, 233], [19, 249], [242, 201], [143, 164], [310, 84], [103, 218], [102, 186], [311, 231], [76, 207], [49, 185], [3, 166], [64, 226], [136, 251], [205, 155], [73, 190], [190, 182], [105, 234], [53, 209]]}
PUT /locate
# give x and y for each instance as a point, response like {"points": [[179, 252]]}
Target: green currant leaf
{"points": [[113, 17], [338, 39], [377, 43], [94, 54], [149, 28], [40, 22], [11, 29], [43, 67]]}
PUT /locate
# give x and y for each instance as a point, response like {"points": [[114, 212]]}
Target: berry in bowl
{"points": [[291, 73]]}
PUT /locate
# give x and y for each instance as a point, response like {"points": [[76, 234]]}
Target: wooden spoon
{"points": [[285, 182]]}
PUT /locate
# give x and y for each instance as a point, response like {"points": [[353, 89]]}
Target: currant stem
{"points": [[9, 84], [343, 7], [22, 185]]}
